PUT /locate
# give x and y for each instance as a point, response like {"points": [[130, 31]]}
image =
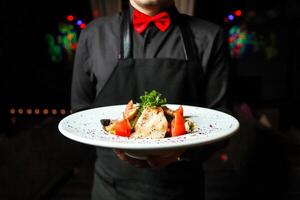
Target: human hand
{"points": [[161, 161], [155, 161]]}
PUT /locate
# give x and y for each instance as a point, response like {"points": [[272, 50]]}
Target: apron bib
{"points": [[181, 82]]}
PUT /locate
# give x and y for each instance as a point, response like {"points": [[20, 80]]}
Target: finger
{"points": [[158, 163], [141, 164], [165, 160], [135, 162], [171, 156], [121, 155]]}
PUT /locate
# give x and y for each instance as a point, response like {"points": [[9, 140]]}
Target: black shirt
{"points": [[97, 56], [99, 45]]}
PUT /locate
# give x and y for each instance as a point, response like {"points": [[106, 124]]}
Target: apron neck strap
{"points": [[126, 47], [189, 46], [125, 37]]}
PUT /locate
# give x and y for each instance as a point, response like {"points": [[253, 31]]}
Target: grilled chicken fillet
{"points": [[151, 124]]}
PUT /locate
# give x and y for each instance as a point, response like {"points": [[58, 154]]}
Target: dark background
{"points": [[38, 163]]}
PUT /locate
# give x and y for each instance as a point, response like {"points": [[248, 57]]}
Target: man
{"points": [[151, 46]]}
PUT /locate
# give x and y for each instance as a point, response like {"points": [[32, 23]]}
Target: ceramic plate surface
{"points": [[85, 127]]}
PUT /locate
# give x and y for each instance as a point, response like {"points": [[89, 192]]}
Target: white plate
{"points": [[85, 127]]}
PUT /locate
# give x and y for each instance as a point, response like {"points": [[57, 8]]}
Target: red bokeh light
{"points": [[83, 25], [231, 39], [224, 157], [70, 18], [239, 45], [238, 13]]}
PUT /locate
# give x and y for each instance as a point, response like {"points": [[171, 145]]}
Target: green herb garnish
{"points": [[150, 99]]}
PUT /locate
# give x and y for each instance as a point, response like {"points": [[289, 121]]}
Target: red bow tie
{"points": [[141, 21]]}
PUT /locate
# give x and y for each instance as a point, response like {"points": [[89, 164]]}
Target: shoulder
{"points": [[102, 26], [202, 28], [104, 22]]}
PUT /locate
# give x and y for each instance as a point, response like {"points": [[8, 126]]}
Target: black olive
{"points": [[105, 122]]}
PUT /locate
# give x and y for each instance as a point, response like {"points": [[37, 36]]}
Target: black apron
{"points": [[181, 82]]}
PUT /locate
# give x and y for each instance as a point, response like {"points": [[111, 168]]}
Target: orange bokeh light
{"points": [[36, 111], [45, 111], [12, 111], [62, 111], [29, 111], [20, 111], [54, 111]]}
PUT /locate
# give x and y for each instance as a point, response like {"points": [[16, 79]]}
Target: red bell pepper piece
{"points": [[123, 128], [177, 124], [180, 110]]}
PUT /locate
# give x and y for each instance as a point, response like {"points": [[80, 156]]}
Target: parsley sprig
{"points": [[152, 99]]}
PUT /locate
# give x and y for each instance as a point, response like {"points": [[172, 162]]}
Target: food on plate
{"points": [[150, 118], [151, 124]]}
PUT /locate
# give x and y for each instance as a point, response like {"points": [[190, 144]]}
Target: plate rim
{"points": [[148, 146]]}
